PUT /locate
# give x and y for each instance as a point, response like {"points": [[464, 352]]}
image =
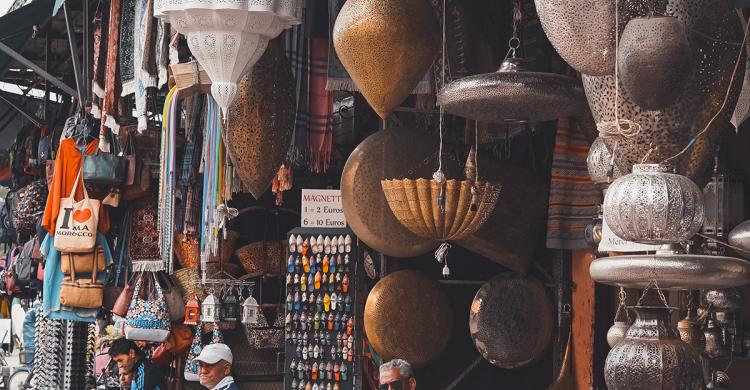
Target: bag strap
{"points": [[79, 177], [93, 264], [71, 265]]}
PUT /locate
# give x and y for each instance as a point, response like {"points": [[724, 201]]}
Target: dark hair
{"points": [[122, 346]]}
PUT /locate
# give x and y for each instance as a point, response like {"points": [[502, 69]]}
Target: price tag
{"points": [[322, 209], [612, 243]]}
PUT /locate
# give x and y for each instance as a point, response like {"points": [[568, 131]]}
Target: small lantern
{"points": [[210, 309], [250, 311], [230, 308], [192, 311]]}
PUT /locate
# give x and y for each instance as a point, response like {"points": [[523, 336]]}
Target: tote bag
{"points": [[75, 230], [148, 316]]}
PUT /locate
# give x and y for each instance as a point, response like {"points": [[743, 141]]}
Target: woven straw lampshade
{"points": [[408, 316], [513, 94], [415, 205], [261, 120], [582, 32], [671, 128], [511, 320], [387, 46], [398, 152]]}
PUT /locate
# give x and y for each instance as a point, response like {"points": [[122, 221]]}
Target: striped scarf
{"points": [[167, 178], [297, 49]]}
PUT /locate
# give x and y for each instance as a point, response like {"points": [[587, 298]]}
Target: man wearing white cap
{"points": [[215, 367]]}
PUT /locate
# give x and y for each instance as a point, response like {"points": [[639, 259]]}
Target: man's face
{"points": [[391, 380], [125, 363], [211, 374], [125, 379]]}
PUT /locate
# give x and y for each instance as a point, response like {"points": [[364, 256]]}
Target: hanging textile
{"points": [[573, 197], [297, 48], [212, 183], [190, 214], [127, 47], [162, 52], [47, 370], [167, 177], [144, 65], [101, 22], [110, 116], [321, 106]]}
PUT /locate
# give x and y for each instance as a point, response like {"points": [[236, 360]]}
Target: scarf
{"points": [[144, 67], [167, 177], [297, 49], [110, 117], [224, 383], [127, 45], [101, 21], [321, 107]]}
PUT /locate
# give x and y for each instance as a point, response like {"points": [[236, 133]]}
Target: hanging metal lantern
{"points": [[230, 307], [511, 320], [653, 206], [192, 311], [250, 311], [513, 94], [724, 202], [655, 60], [602, 169], [653, 356], [582, 32], [261, 120], [691, 333], [210, 308], [724, 300], [398, 310], [387, 46], [616, 333], [388, 153], [740, 237], [715, 346]]}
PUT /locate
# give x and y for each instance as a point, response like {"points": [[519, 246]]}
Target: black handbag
{"points": [[106, 168]]}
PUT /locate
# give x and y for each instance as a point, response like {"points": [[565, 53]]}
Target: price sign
{"points": [[322, 209], [612, 243]]}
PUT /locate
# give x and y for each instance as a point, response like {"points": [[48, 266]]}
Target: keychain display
{"points": [[320, 315]]}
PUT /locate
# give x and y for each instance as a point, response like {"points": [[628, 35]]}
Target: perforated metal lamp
{"points": [[250, 311], [228, 37], [230, 308], [210, 309]]}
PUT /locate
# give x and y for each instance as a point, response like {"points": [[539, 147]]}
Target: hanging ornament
{"points": [[228, 37], [210, 308], [387, 46], [601, 162], [653, 206], [654, 61], [739, 238], [690, 328], [250, 311], [282, 181], [619, 329], [230, 307], [192, 311]]}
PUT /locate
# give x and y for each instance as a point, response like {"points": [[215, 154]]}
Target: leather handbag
{"points": [[102, 358], [172, 296], [179, 340], [81, 293], [138, 182], [122, 303], [105, 168], [84, 261]]}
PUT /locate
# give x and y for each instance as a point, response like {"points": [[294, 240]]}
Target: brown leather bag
{"points": [[138, 183], [122, 304], [81, 293], [84, 261], [112, 293], [179, 340], [172, 296]]}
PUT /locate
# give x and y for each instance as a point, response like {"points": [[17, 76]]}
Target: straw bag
{"points": [[148, 316], [86, 294], [185, 279], [84, 261], [75, 230], [187, 249]]}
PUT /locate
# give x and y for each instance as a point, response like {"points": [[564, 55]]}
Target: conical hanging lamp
{"points": [[513, 94], [228, 37], [387, 46]]}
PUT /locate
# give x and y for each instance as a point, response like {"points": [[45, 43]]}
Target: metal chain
{"points": [[658, 290]]}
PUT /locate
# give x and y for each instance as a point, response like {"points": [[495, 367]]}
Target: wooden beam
{"points": [[584, 314]]}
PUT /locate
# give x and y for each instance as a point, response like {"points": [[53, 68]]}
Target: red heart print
{"points": [[82, 216]]}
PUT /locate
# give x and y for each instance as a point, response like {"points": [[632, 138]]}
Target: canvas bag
{"points": [[77, 222], [148, 316], [86, 294]]}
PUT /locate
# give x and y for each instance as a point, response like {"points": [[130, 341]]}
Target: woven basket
{"points": [[259, 259], [186, 280], [227, 247], [415, 205], [187, 250]]}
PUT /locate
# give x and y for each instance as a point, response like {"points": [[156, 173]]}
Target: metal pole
{"points": [[23, 111], [23, 60], [74, 55]]}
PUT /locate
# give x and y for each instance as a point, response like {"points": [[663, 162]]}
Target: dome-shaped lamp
{"points": [[250, 311], [192, 311], [210, 309]]}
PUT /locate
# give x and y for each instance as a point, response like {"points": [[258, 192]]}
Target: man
{"points": [[215, 367], [397, 375], [131, 363]]}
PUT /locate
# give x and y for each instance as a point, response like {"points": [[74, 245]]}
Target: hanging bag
{"points": [[85, 294], [106, 168], [84, 261], [138, 183], [147, 317], [117, 298], [172, 296], [75, 230]]}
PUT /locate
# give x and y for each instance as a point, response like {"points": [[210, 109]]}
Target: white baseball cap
{"points": [[213, 353]]}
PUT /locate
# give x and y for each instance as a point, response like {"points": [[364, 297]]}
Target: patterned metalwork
{"points": [[387, 46], [671, 271], [582, 32], [599, 161], [653, 356], [261, 120], [712, 28], [616, 333], [691, 332], [397, 152], [654, 60], [725, 300], [513, 94], [511, 320], [408, 316], [414, 203], [653, 206], [740, 237]]}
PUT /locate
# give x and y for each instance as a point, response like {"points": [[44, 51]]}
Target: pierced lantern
{"points": [[230, 308], [653, 206], [192, 311], [210, 309], [250, 311]]}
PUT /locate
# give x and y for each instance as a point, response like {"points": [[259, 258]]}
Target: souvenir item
{"points": [[715, 347], [654, 60], [601, 168], [192, 311], [76, 226], [87, 294], [261, 120], [653, 356], [691, 333], [725, 300], [83, 261], [413, 302], [230, 307], [148, 316], [582, 32], [414, 203], [511, 320], [653, 206], [387, 47], [210, 308], [617, 332]]}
